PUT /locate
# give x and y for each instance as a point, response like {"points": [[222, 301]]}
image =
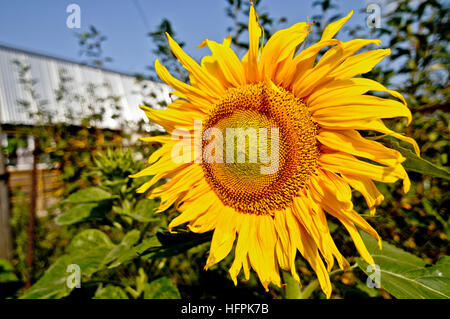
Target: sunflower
{"points": [[317, 108]]}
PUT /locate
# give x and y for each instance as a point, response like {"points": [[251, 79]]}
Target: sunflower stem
{"points": [[306, 293], [313, 285], [292, 288]]}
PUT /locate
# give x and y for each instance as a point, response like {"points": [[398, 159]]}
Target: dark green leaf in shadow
{"points": [[82, 212]]}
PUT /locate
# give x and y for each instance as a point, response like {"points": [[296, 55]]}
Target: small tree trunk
{"points": [[5, 228]]}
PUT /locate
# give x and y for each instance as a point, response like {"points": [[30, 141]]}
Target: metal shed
{"points": [[46, 71]]}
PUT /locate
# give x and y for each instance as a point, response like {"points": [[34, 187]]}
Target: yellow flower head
{"points": [[303, 117]]}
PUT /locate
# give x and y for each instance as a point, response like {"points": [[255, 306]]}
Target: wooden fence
{"points": [[49, 187]]}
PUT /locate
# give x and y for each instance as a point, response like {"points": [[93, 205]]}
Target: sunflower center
{"points": [[267, 149]]}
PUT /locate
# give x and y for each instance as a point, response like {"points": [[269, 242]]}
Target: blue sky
{"points": [[40, 26]]}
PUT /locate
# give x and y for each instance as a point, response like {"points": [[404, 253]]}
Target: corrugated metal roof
{"points": [[46, 71]]}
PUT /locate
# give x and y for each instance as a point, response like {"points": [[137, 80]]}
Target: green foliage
{"points": [[110, 292], [116, 241], [164, 53], [162, 288], [406, 276], [144, 211], [6, 272], [52, 285], [90, 43]]}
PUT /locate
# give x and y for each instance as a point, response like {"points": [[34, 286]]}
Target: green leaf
{"points": [[88, 240], [430, 210], [88, 250], [5, 265], [87, 195], [7, 272], [161, 288], [144, 211], [174, 244], [110, 292], [76, 214], [417, 164], [52, 284], [82, 212], [406, 276], [148, 244], [123, 252]]}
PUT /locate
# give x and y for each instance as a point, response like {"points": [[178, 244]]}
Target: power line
{"points": [[141, 14]]}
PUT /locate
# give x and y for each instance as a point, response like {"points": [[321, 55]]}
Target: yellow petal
{"points": [[177, 186], [281, 46], [328, 184], [363, 107], [184, 90], [306, 216], [328, 199], [309, 251], [200, 78], [347, 164], [359, 64], [345, 88], [227, 63], [374, 125], [162, 139], [208, 220], [223, 237], [333, 28], [262, 251], [356, 237], [350, 141], [246, 233], [193, 211], [286, 250], [251, 59], [367, 188], [172, 119], [306, 82], [300, 64]]}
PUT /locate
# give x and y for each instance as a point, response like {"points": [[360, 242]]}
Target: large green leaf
{"points": [[87, 195], [406, 276], [88, 250], [417, 164], [161, 288], [88, 240]]}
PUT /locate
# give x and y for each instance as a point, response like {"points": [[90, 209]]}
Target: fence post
{"points": [[5, 228]]}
